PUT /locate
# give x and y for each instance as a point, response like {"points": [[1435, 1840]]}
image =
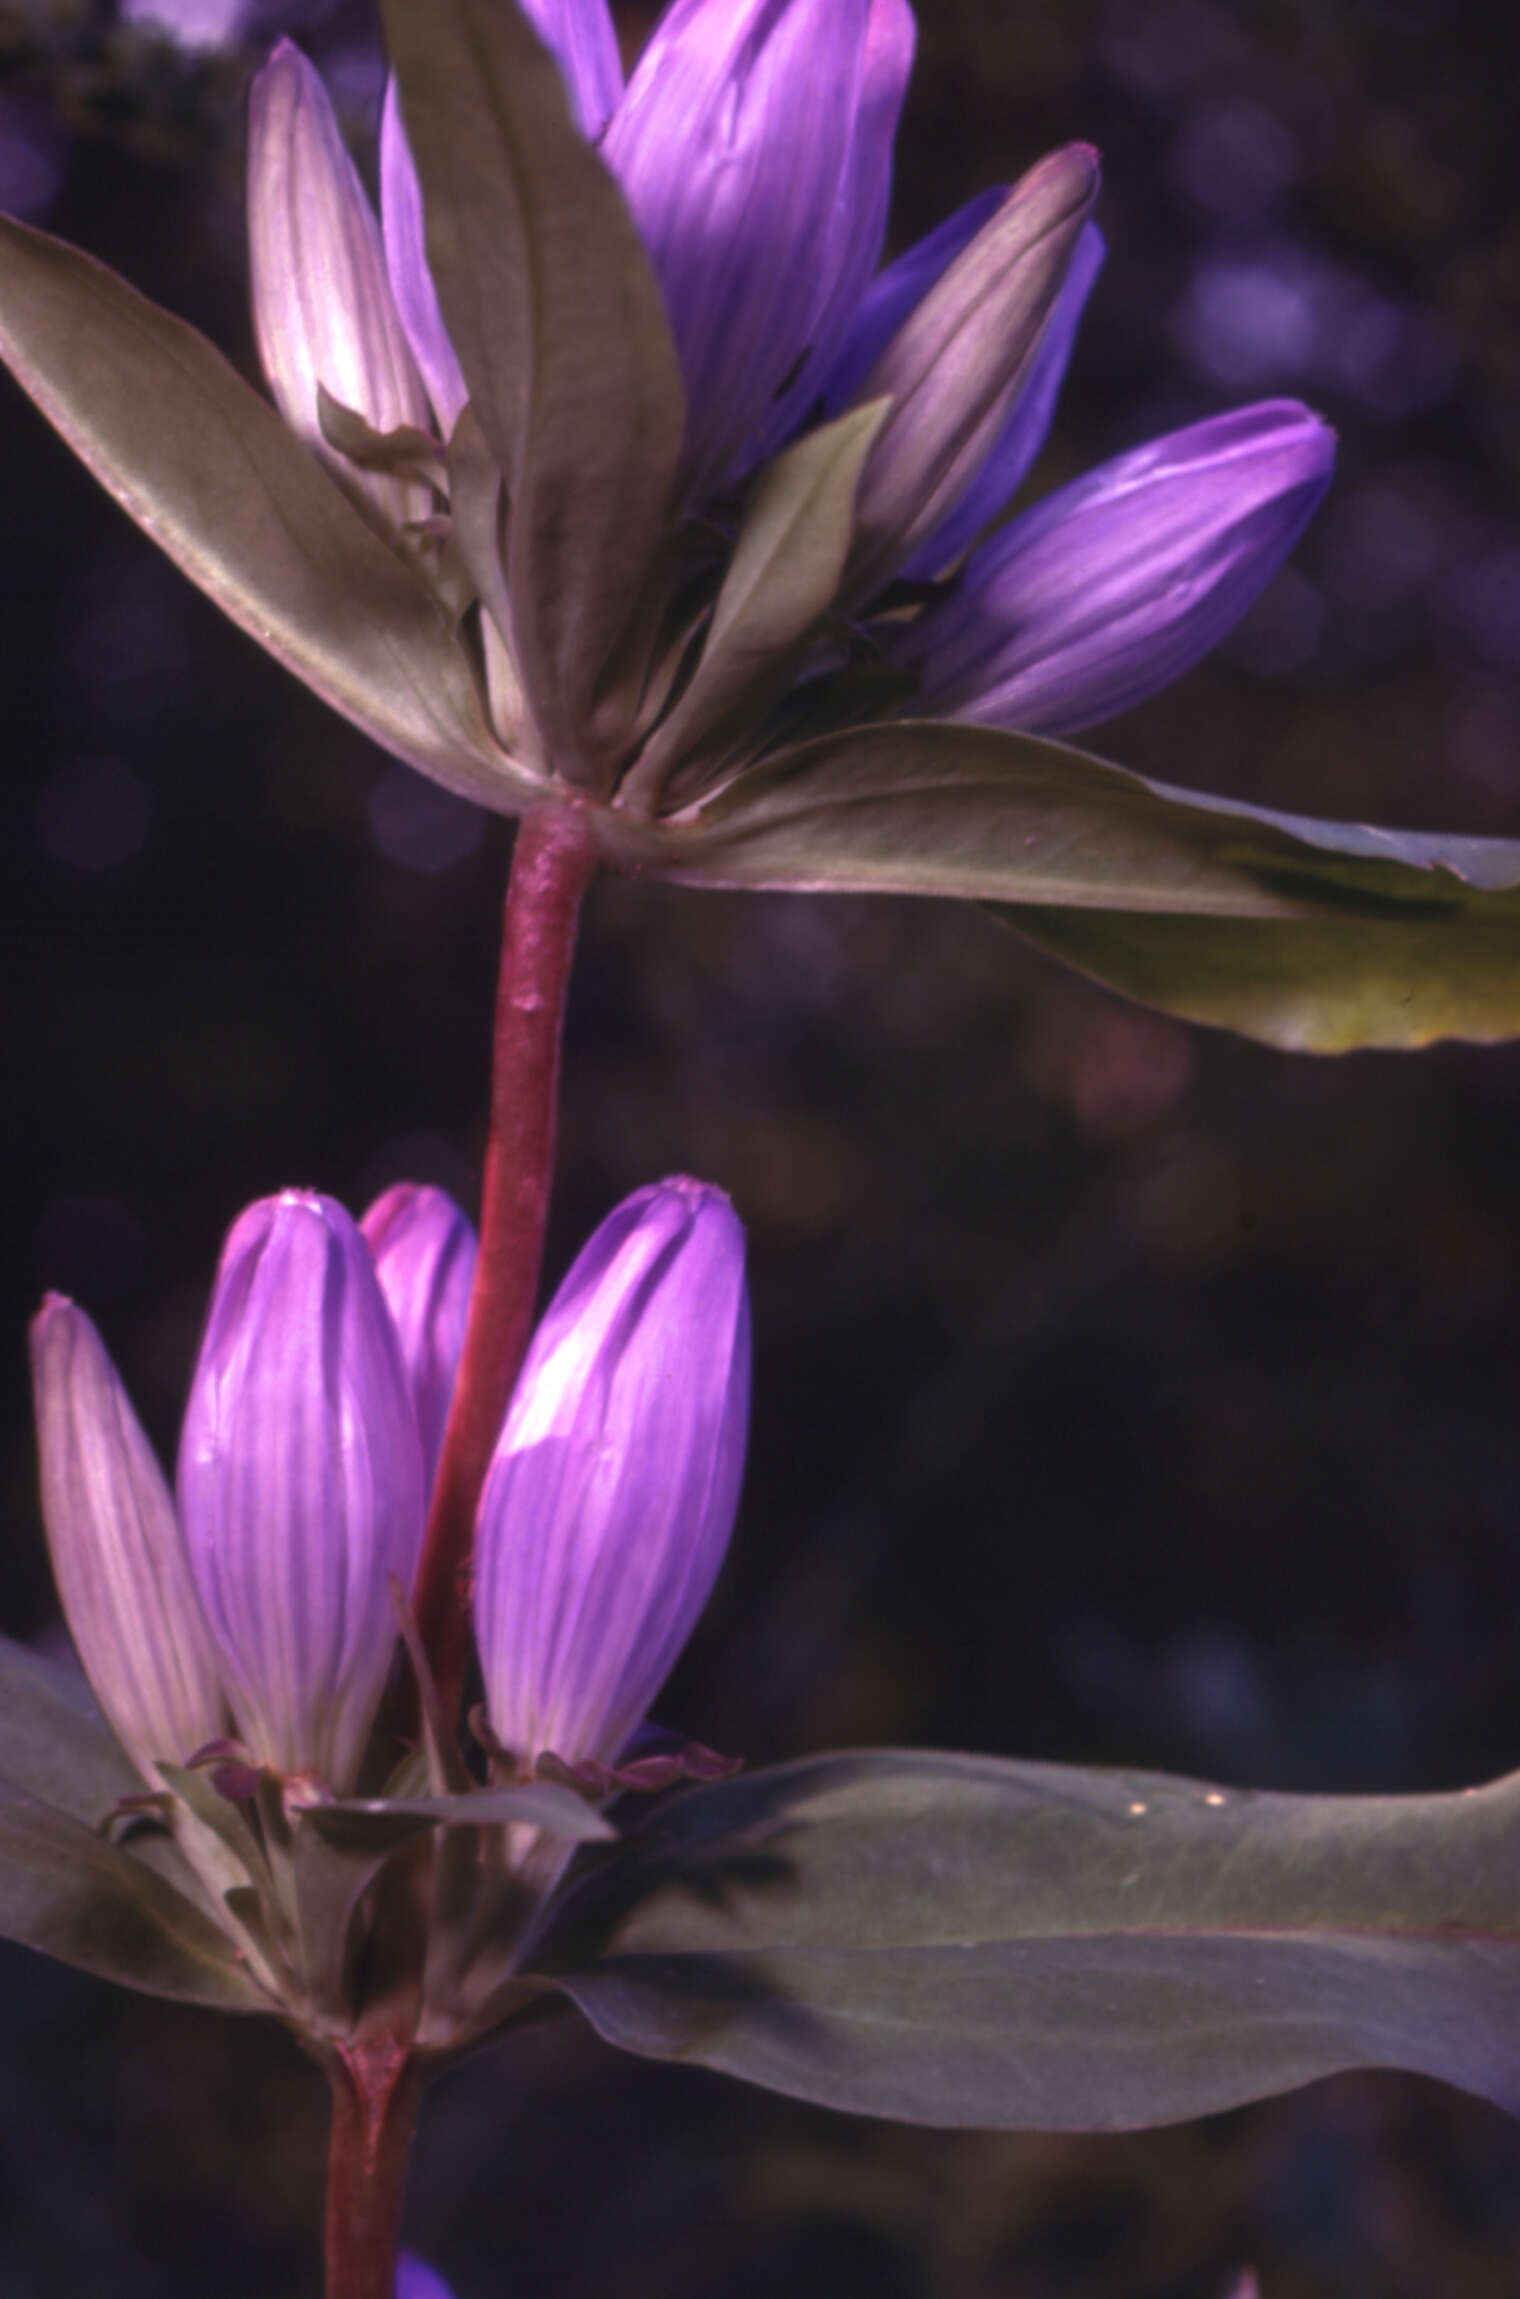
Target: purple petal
{"points": [[416, 2280], [581, 35], [1117, 584], [754, 144], [898, 291], [406, 262], [1011, 457], [117, 1555], [611, 1496], [424, 1251], [323, 310], [955, 370], [300, 1483]]}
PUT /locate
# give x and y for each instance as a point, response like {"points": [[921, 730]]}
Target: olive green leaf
{"points": [[67, 1891], [54, 1743], [964, 1940], [210, 472]]}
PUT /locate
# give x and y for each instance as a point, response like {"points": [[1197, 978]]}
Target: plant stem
{"points": [[374, 2113], [552, 865]]}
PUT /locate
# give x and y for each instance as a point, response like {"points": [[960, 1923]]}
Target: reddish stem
{"points": [[374, 2114], [552, 865]]}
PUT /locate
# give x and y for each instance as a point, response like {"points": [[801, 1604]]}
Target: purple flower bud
{"points": [[416, 2280], [300, 1483], [754, 144], [424, 1253], [955, 371], [323, 309], [117, 1556], [405, 235], [609, 1502], [1115, 585]]}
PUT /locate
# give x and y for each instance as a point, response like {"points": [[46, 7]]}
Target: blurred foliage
{"points": [[1123, 1393]]}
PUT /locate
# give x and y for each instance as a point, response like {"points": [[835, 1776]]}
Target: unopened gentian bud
{"points": [[424, 1251], [323, 309], [120, 1565], [300, 1483], [611, 1496]]}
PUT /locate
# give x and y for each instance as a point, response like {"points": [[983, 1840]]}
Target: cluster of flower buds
{"points": [[752, 147], [262, 1609]]}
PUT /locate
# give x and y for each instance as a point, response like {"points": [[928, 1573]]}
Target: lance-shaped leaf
{"points": [[65, 1890], [1398, 978], [1418, 935], [554, 313], [208, 469], [955, 369], [963, 1940], [54, 1742], [783, 577]]}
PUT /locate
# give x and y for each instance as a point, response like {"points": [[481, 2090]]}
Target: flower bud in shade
{"points": [[323, 310], [956, 369], [416, 2280], [1115, 585], [754, 144], [424, 1253], [117, 1556], [612, 1492], [300, 1483], [405, 237]]}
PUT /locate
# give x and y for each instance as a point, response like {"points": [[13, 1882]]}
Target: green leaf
{"points": [[961, 1940], [65, 1890], [782, 579], [54, 1743], [210, 472], [374, 1823], [560, 330], [1312, 934], [1319, 986]]}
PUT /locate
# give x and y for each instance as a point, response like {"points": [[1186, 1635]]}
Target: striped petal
{"points": [[424, 1251], [323, 309], [754, 144], [1115, 585], [117, 1555], [611, 1496], [300, 1483], [405, 238]]}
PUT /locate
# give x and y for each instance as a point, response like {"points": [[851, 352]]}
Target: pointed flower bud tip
{"points": [[611, 1496], [300, 1483], [424, 1252], [118, 1560]]}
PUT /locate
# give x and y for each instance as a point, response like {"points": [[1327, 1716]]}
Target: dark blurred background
{"points": [[1124, 1393]]}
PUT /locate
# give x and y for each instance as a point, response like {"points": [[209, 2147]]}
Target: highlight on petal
{"points": [[300, 1483], [424, 1251], [584, 42], [405, 238], [118, 1559], [959, 364], [322, 305], [1115, 585], [754, 144], [611, 1496], [898, 291]]}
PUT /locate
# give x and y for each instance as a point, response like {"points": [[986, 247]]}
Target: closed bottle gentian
{"points": [[611, 1495], [263, 1606]]}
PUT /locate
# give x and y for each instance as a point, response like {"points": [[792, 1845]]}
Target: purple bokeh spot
{"points": [[34, 158]]}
